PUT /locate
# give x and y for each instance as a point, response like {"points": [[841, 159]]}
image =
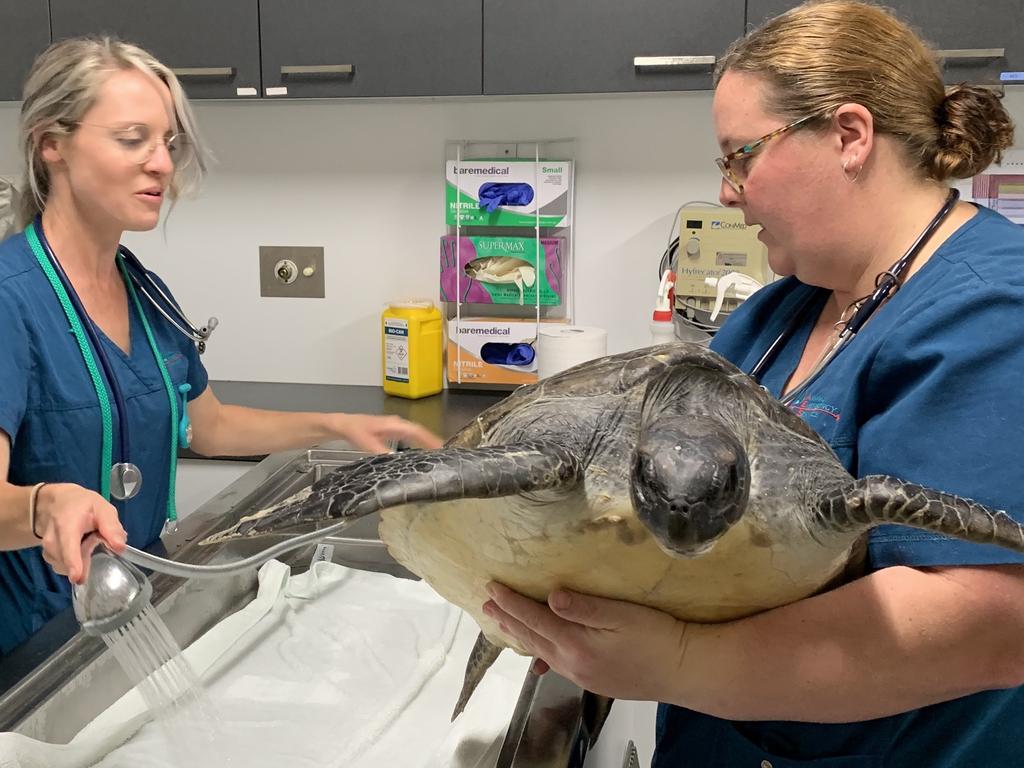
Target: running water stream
{"points": [[152, 659]]}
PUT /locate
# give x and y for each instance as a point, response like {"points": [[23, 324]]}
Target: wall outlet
{"points": [[293, 271]]}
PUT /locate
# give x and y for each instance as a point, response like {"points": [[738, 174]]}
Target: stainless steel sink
{"points": [[51, 695]]}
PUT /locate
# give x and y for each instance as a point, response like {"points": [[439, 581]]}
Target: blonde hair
{"points": [[63, 85], [820, 55]]}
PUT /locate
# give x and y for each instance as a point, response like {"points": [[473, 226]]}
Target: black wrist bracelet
{"points": [[33, 496]]}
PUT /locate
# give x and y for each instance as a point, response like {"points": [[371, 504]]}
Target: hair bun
{"points": [[973, 131]]}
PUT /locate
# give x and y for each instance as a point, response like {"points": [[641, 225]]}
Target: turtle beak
{"points": [[689, 484]]}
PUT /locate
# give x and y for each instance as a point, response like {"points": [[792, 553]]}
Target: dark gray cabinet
{"points": [[320, 48], [214, 47], [980, 40], [602, 46], [341, 48], [24, 32]]}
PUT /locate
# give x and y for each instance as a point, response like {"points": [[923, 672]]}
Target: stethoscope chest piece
{"points": [[125, 480]]}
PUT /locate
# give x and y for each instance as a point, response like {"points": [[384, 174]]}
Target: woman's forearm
{"points": [[241, 431], [233, 430], [15, 528], [891, 642]]}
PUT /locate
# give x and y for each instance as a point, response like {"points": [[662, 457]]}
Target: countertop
{"points": [[444, 414]]}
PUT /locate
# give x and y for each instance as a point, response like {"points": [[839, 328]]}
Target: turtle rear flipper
{"points": [[483, 655], [878, 499], [394, 479], [595, 708]]}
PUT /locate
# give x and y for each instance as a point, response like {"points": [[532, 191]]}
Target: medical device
{"points": [[124, 479], [714, 242], [885, 284], [167, 307]]}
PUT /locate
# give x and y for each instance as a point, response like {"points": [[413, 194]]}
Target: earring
{"points": [[855, 173]]}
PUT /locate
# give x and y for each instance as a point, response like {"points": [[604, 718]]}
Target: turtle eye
{"points": [[648, 468]]}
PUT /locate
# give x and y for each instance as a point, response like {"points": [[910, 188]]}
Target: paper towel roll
{"points": [[563, 346]]}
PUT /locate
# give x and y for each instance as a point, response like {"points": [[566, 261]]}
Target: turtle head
{"points": [[689, 482]]}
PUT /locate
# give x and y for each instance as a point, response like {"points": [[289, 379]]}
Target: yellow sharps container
{"points": [[411, 344]]}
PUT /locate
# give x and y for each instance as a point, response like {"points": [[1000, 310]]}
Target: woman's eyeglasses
{"points": [[139, 145], [733, 165]]}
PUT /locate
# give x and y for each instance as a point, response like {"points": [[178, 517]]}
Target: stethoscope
{"points": [[124, 479], [885, 284]]}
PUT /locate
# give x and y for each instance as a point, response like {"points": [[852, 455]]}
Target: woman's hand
{"points": [[65, 514], [234, 430], [609, 647], [371, 433]]}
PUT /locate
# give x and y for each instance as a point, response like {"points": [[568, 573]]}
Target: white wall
{"points": [[363, 178], [629, 721], [199, 480]]}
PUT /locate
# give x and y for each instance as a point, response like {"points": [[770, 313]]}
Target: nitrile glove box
{"points": [[467, 350], [508, 193], [502, 270]]}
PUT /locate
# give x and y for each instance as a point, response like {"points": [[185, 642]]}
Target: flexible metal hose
{"points": [[190, 570]]}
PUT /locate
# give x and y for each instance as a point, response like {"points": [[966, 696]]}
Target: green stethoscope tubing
{"points": [[97, 381]]}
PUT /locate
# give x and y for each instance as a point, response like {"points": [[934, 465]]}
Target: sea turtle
{"points": [[663, 476]]}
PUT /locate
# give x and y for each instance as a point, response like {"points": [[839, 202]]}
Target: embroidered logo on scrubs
{"points": [[815, 404]]}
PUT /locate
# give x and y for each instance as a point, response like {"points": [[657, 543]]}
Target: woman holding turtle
{"points": [[839, 139]]}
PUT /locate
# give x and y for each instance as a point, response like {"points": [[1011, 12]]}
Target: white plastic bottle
{"points": [[663, 330]]}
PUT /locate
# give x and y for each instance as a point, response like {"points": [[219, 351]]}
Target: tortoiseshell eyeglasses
{"points": [[733, 165]]}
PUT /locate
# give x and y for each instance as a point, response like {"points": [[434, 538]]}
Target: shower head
{"points": [[114, 593]]}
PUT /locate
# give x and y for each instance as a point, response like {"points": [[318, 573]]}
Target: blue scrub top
{"points": [[929, 391], [48, 408]]}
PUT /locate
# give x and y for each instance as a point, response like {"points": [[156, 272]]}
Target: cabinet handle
{"points": [[203, 71], [320, 69], [972, 53], [672, 63]]}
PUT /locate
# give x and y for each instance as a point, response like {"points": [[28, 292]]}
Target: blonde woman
{"points": [[108, 137], [839, 139]]}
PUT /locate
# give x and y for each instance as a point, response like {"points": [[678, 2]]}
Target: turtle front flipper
{"points": [[394, 479], [878, 499]]}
